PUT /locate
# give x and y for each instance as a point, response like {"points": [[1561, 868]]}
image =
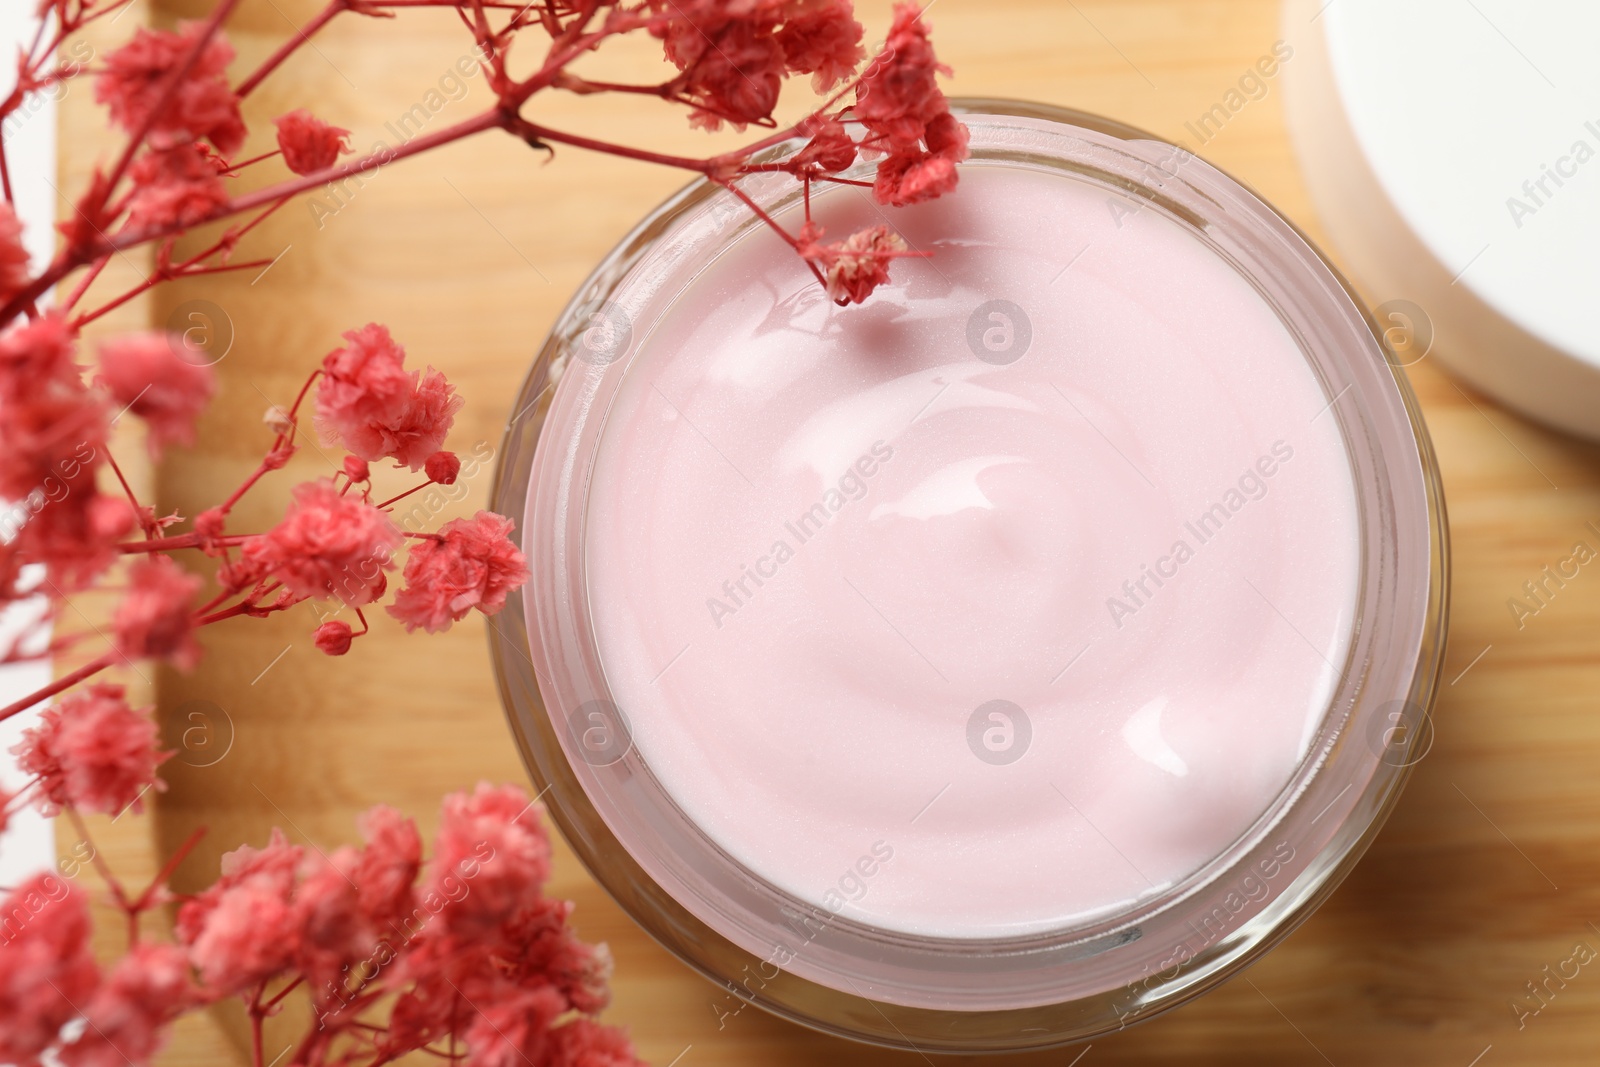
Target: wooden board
{"points": [[1487, 874]]}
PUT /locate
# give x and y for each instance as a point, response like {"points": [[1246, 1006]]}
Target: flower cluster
{"points": [[465, 947], [169, 90], [91, 752], [461, 956], [733, 57]]}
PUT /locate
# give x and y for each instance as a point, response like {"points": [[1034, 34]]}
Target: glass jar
{"points": [[788, 955]]}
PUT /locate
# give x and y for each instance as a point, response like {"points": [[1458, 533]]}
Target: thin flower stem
{"points": [[583, 86], [255, 159], [396, 499], [187, 269], [544, 133], [5, 174], [181, 853], [294, 410], [285, 991], [70, 258], [289, 47], [244, 607], [149, 527], [100, 865], [188, 540], [87, 280], [257, 1055], [66, 681]]}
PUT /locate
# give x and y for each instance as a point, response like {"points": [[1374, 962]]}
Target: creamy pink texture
{"points": [[821, 540]]}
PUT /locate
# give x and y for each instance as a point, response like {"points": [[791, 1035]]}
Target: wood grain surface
{"points": [[1486, 875]]}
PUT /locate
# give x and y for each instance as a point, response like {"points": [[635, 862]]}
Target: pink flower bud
{"points": [[442, 467], [277, 420], [333, 637]]}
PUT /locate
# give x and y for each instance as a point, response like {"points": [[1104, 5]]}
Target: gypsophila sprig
{"points": [[461, 955]]}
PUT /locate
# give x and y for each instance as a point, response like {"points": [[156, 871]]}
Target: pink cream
{"points": [[823, 541]]}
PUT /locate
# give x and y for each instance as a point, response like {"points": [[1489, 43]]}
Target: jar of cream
{"points": [[1001, 661]]}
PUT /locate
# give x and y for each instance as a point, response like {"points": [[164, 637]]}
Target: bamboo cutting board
{"points": [[1485, 879]]}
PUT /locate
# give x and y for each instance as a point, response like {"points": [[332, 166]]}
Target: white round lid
{"points": [[1481, 121], [1452, 149]]}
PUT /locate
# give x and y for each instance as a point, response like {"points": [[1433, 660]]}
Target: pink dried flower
{"points": [[364, 383], [854, 267], [53, 436], [913, 176], [371, 405], [442, 467], [586, 1043], [76, 538], [134, 77], [830, 148], [46, 966], [51, 425], [898, 95], [470, 563], [129, 1014], [156, 618], [356, 469], [541, 947], [92, 752], [899, 102], [328, 545], [330, 932], [13, 256], [333, 637], [243, 928], [308, 143], [177, 186], [732, 66], [39, 356], [386, 872], [144, 374], [426, 423], [513, 1028], [492, 839], [210, 525], [822, 39]]}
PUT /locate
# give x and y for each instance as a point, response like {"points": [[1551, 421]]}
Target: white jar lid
{"points": [[1452, 149]]}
